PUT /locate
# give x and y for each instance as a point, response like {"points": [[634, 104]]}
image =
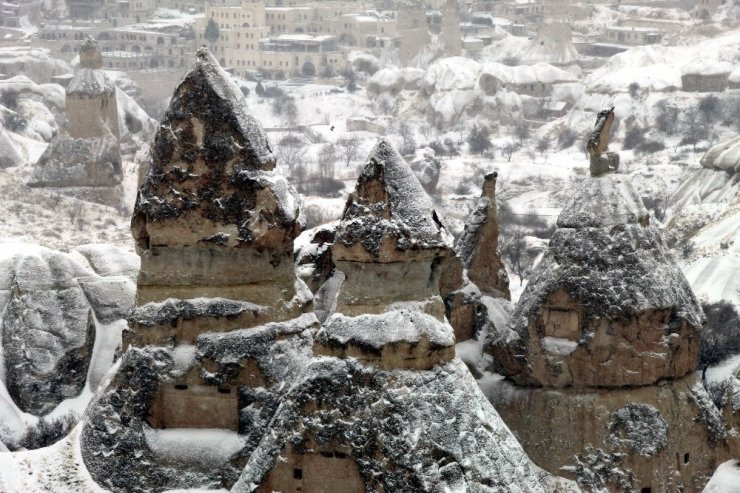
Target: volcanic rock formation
{"points": [[476, 279], [52, 307], [600, 352], [86, 154], [374, 398], [391, 408], [214, 336]]}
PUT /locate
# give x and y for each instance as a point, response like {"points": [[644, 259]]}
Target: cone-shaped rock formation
{"points": [[86, 152], [607, 306], [217, 333], [213, 206], [393, 400], [601, 348]]}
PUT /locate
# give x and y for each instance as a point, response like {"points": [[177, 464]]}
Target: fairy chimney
{"points": [[478, 246], [213, 220], [389, 246], [385, 373], [608, 306], [85, 157], [91, 105]]}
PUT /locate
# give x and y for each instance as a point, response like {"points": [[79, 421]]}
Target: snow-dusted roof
{"points": [[704, 66]]}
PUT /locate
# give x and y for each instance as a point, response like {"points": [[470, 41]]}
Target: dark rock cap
{"points": [[389, 207]]}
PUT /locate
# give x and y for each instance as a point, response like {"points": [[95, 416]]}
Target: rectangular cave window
{"points": [[224, 390], [297, 473], [340, 455], [181, 386], [686, 458], [646, 489]]}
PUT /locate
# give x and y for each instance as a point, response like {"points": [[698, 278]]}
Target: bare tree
{"points": [[291, 151], [407, 135], [507, 150], [326, 159], [695, 127], [522, 133], [349, 145]]}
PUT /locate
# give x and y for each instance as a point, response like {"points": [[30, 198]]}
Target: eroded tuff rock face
{"points": [[349, 427], [476, 277], [607, 306], [667, 438], [52, 305], [389, 230], [212, 205], [86, 152], [478, 245], [389, 217], [390, 408], [218, 332]]}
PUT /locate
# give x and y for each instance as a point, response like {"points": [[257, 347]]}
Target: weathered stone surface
{"points": [[78, 162], [660, 437], [400, 338], [212, 203], [428, 430], [239, 376], [50, 303], [389, 217], [478, 245], [86, 152], [607, 306]]}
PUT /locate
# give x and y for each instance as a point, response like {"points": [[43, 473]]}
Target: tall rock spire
{"points": [[478, 245], [390, 240], [212, 218]]}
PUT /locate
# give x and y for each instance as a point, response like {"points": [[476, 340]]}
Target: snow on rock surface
{"points": [[603, 204], [389, 205], [396, 425], [377, 331], [447, 74], [724, 156], [726, 478], [606, 281], [604, 256], [10, 155], [57, 310], [35, 63]]}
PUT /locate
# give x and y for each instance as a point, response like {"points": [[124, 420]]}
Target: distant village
{"points": [[280, 39]]}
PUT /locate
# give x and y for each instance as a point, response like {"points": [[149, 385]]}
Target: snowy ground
{"points": [[48, 218], [55, 468]]}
